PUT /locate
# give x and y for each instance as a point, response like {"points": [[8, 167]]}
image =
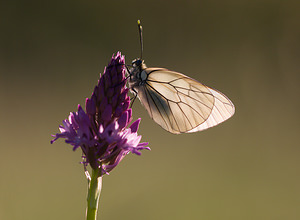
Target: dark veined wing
{"points": [[180, 104]]}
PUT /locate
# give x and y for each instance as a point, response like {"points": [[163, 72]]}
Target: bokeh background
{"points": [[51, 54]]}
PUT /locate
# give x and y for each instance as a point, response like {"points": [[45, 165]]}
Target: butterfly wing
{"points": [[180, 104]]}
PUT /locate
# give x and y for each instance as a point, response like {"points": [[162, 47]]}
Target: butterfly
{"points": [[178, 103]]}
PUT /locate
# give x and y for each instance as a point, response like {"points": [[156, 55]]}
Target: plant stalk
{"points": [[95, 185]]}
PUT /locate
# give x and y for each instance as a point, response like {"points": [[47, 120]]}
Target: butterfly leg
{"points": [[133, 99], [129, 75]]}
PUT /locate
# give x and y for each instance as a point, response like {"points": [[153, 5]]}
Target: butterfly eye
{"points": [[137, 62]]}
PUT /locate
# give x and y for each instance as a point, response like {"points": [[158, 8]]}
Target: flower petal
{"points": [[135, 125]]}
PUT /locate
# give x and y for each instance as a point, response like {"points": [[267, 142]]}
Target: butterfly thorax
{"points": [[137, 74]]}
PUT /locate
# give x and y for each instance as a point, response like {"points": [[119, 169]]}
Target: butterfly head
{"points": [[137, 62], [137, 73], [138, 65]]}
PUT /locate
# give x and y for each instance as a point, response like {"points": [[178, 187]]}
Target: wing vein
{"points": [[157, 106], [167, 102]]}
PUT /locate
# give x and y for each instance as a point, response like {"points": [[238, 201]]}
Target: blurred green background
{"points": [[51, 53]]}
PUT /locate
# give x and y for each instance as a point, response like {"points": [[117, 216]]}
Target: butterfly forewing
{"points": [[181, 104]]}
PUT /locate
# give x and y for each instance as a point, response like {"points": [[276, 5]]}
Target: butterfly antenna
{"points": [[141, 37]]}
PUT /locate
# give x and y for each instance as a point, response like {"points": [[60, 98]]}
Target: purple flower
{"points": [[103, 132]]}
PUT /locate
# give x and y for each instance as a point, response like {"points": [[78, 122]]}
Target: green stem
{"points": [[94, 191]]}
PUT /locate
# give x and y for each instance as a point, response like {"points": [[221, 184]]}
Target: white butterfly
{"points": [[176, 102]]}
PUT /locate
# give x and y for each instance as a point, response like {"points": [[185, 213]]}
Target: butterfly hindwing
{"points": [[181, 104]]}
